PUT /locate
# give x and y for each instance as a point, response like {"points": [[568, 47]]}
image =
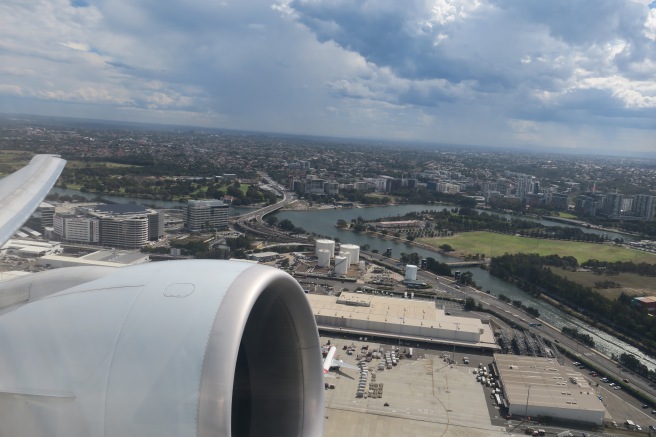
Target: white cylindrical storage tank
{"points": [[362, 265], [354, 250], [325, 245], [410, 272], [341, 265], [324, 258], [346, 255]]}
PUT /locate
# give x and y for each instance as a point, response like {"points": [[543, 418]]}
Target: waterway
{"points": [[323, 222]]}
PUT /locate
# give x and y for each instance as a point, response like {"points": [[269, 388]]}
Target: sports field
{"points": [[492, 244]]}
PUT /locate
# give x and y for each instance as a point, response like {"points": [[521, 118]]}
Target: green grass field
{"points": [[12, 160], [567, 215], [242, 187], [632, 284], [492, 244]]}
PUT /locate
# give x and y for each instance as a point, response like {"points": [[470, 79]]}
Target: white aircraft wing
{"points": [[22, 191]]}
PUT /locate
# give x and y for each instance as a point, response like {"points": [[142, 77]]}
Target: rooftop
{"points": [[543, 382], [121, 208]]}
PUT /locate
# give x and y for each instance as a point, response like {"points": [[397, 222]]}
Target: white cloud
{"points": [[444, 70]]}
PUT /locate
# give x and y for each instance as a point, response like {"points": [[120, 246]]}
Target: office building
{"points": [[205, 215]]}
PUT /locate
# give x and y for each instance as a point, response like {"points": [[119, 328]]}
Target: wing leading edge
{"points": [[22, 191]]}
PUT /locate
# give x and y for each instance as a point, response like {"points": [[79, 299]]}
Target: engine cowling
{"points": [[180, 348]]}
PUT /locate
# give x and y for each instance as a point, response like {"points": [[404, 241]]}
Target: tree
{"points": [[470, 304], [271, 220], [286, 225], [467, 278], [342, 224]]}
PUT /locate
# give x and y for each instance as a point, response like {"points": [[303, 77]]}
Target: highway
{"points": [[603, 364], [253, 221]]}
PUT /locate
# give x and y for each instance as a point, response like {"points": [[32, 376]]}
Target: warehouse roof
{"points": [[539, 381], [393, 310]]}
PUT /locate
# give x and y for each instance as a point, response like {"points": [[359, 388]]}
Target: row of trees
{"points": [[519, 304], [613, 268], [465, 219], [582, 337]]}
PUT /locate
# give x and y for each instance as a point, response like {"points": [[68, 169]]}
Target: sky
{"points": [[531, 74]]}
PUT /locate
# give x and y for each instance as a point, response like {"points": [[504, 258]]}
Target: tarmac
{"points": [[425, 396]]}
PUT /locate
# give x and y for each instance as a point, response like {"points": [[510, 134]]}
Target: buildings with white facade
{"points": [[207, 214]]}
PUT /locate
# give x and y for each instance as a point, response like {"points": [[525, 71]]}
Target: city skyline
{"points": [[576, 76]]}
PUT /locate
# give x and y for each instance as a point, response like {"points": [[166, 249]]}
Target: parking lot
{"points": [[423, 395]]}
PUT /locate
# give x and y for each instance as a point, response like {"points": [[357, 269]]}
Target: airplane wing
{"points": [[22, 191]]}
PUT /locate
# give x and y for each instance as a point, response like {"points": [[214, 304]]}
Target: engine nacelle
{"points": [[179, 348]]}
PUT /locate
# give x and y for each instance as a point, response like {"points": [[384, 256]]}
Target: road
{"points": [[520, 318], [253, 221]]}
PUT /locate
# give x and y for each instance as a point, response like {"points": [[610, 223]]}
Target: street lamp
{"points": [[455, 333], [528, 393]]}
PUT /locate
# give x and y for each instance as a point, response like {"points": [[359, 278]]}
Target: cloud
{"points": [[468, 71], [500, 53]]}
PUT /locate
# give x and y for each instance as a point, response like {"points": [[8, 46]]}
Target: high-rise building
{"points": [[205, 215], [613, 205], [76, 228], [314, 185], [643, 206], [526, 185], [331, 187], [559, 201]]}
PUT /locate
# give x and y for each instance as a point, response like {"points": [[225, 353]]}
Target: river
{"points": [[323, 222]]}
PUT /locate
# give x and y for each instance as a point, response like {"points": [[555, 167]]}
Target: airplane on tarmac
{"points": [[330, 362]]}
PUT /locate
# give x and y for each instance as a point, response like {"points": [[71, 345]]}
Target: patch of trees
{"points": [[635, 365], [582, 337], [410, 258], [438, 268], [532, 273], [530, 310], [604, 285], [471, 305], [613, 268], [287, 226]]}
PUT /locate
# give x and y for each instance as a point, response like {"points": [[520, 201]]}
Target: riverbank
{"points": [[582, 224], [601, 326]]}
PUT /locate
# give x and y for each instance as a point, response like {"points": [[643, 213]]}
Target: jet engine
{"points": [[178, 348]]}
